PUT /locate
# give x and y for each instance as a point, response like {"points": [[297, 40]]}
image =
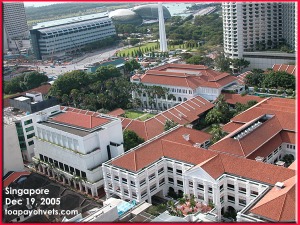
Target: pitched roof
{"points": [[291, 69], [44, 89], [252, 141], [278, 204], [234, 98], [183, 113], [80, 119], [241, 77], [231, 126], [184, 75], [117, 112], [172, 145]]}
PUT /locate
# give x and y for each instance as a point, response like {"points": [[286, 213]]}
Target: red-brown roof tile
{"points": [[76, 118], [117, 112], [231, 126], [234, 98], [288, 137], [186, 76], [278, 205], [291, 69]]}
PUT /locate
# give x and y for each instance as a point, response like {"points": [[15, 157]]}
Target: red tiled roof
{"points": [[184, 75], [285, 115], [278, 205], [245, 146], [288, 137], [293, 166], [291, 69], [241, 77], [14, 176], [231, 126], [234, 98], [172, 145], [184, 113], [79, 119], [267, 148], [116, 112]]}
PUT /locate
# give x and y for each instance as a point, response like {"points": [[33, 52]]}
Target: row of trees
{"points": [[24, 82], [271, 79]]}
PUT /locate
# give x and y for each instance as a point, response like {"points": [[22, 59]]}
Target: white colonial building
{"points": [[181, 82], [175, 162], [74, 143]]}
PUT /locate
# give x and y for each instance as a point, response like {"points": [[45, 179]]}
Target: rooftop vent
{"points": [[279, 185], [186, 137], [259, 159], [280, 163]]}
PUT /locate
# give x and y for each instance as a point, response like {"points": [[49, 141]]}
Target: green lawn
{"points": [[146, 116], [129, 50], [133, 114]]}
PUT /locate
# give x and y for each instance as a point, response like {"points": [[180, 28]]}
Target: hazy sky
{"points": [[37, 4]]}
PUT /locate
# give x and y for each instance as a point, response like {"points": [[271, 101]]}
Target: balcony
{"points": [[231, 201]]}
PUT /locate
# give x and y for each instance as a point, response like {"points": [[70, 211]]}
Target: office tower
{"points": [[14, 23]]}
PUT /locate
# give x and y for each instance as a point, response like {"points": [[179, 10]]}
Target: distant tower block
{"points": [[162, 31]]}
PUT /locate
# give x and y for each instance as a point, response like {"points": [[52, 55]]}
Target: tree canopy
{"points": [[24, 82], [131, 139], [170, 124]]}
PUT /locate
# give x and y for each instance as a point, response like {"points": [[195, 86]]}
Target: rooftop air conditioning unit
{"points": [[279, 185]]}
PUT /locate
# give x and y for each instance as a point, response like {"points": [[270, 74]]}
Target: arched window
{"points": [[179, 99]]}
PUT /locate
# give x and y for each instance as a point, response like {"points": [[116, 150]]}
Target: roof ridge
{"points": [[146, 130]]}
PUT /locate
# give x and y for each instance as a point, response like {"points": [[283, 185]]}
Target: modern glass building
{"points": [[150, 11], [125, 16], [70, 34]]}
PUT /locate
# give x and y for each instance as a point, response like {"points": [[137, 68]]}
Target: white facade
{"points": [[156, 179], [25, 127], [12, 157], [74, 153], [257, 26]]}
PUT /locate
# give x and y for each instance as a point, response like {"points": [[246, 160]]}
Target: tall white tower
{"points": [[162, 31]]}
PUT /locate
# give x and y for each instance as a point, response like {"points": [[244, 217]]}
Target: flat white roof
{"points": [[21, 98]]}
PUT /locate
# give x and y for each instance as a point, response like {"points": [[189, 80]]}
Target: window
{"points": [[242, 202], [28, 122], [116, 178], [210, 190], [201, 197], [30, 135], [132, 183], [162, 181], [242, 190], [179, 172], [200, 187], [179, 183], [171, 180], [222, 199], [231, 199], [152, 176], [143, 182], [170, 169], [124, 180], [42, 157], [221, 187], [29, 129], [191, 183], [253, 193], [30, 143], [230, 187], [161, 170]]}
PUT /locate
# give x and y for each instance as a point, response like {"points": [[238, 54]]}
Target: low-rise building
{"points": [[75, 143], [181, 82], [176, 161]]}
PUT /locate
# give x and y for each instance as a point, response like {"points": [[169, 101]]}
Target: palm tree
{"points": [[217, 133]]}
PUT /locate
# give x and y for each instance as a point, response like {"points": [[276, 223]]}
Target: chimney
{"points": [[279, 185], [186, 137]]}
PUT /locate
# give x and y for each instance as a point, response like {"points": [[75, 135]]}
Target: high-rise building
{"points": [[14, 22], [257, 27]]}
